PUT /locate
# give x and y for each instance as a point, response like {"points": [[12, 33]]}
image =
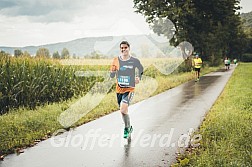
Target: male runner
{"points": [[123, 67]]}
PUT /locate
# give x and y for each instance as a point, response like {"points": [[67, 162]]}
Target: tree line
{"points": [[65, 54], [44, 53]]}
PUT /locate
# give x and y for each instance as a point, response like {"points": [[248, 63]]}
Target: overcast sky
{"points": [[39, 22]]}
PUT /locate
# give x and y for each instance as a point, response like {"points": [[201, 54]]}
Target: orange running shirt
{"points": [[124, 70]]}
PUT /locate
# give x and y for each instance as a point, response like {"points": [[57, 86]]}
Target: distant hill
{"points": [[247, 18], [141, 45]]}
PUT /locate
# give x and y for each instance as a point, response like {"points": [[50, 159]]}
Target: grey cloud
{"points": [[6, 4], [54, 16], [46, 10]]}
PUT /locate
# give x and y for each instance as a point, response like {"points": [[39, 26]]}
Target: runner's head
{"points": [[124, 47], [125, 43]]}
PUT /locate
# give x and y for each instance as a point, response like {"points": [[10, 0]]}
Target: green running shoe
{"points": [[127, 132]]}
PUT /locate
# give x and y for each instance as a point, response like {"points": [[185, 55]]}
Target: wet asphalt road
{"points": [[161, 126]]}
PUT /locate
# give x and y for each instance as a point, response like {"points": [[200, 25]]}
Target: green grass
{"points": [[227, 131], [22, 127]]}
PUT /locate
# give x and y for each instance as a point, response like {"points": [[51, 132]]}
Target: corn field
{"points": [[31, 82]]}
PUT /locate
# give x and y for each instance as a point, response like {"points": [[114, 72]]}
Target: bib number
{"points": [[124, 80]]}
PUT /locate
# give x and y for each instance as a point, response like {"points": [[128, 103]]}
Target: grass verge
{"points": [[226, 131]]}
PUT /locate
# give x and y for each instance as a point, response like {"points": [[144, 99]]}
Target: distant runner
{"points": [[197, 62], [235, 61], [226, 62], [123, 67], [229, 62]]}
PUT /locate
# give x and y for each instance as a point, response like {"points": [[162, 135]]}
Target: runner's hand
{"points": [[137, 80], [113, 69]]}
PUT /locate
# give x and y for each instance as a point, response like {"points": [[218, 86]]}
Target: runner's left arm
{"points": [[140, 68]]}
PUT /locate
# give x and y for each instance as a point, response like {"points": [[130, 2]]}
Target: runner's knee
{"points": [[124, 108]]}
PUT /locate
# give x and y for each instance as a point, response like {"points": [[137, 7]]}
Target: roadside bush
{"points": [[247, 57]]}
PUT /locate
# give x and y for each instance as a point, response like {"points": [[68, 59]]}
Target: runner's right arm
{"points": [[112, 74], [114, 68]]}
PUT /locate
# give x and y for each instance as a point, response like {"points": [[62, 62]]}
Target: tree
{"points": [[247, 27], [3, 54], [65, 54], [56, 55], [26, 54], [18, 52], [95, 55], [210, 26], [160, 15], [43, 52]]}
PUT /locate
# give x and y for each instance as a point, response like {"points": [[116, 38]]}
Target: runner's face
{"points": [[124, 49]]}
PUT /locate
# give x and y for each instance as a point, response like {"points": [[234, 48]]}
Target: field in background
{"points": [[145, 61]]}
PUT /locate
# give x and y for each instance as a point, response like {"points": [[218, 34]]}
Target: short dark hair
{"points": [[125, 42]]}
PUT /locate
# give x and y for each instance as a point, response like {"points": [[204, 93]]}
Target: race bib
{"points": [[124, 80]]}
